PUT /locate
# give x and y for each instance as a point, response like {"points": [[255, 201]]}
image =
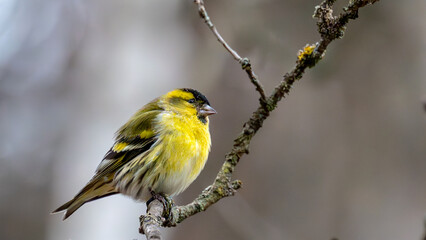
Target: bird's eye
{"points": [[192, 100]]}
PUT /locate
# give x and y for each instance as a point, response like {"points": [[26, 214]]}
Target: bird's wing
{"points": [[122, 152], [132, 139]]}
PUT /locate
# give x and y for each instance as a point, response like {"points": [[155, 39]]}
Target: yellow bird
{"points": [[161, 149]]}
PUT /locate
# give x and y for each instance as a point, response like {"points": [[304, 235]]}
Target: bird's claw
{"points": [[167, 202]]}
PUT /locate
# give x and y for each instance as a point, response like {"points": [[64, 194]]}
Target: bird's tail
{"points": [[92, 191]]}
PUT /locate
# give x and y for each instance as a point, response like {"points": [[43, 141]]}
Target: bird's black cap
{"points": [[197, 95]]}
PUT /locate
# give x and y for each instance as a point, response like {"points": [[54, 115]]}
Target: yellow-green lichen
{"points": [[306, 53]]}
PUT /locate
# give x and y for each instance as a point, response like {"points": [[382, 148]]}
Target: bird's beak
{"points": [[207, 110]]}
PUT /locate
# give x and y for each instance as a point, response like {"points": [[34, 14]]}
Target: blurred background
{"points": [[343, 156]]}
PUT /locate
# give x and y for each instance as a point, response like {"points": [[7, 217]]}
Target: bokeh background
{"points": [[343, 156]]}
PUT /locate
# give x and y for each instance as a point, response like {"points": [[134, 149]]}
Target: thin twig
{"points": [[203, 14], [330, 28], [244, 62]]}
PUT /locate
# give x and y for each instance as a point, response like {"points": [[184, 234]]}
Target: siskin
{"points": [[161, 149]]}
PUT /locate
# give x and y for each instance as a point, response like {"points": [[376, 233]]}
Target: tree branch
{"points": [[244, 62], [330, 28], [150, 222]]}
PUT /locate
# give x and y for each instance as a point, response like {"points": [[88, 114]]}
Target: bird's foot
{"points": [[167, 202]]}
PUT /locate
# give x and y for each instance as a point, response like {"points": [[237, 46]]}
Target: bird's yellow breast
{"points": [[186, 144]]}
